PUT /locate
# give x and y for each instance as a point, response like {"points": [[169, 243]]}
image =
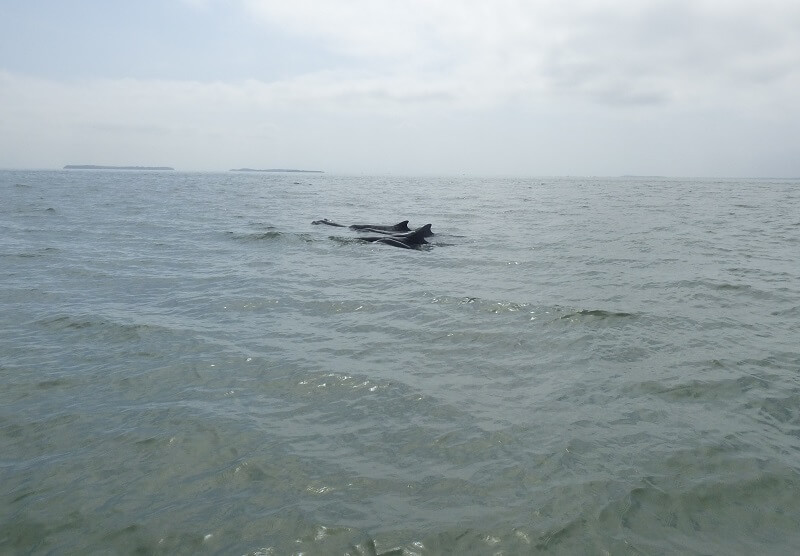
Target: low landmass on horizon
{"points": [[276, 170], [96, 167]]}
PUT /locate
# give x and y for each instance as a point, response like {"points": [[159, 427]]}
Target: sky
{"points": [[417, 87]]}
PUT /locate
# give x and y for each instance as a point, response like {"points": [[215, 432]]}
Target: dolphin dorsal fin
{"points": [[420, 234], [424, 231]]}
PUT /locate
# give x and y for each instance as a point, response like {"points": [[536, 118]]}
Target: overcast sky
{"points": [[536, 87]]}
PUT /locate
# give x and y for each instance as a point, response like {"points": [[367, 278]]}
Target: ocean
{"points": [[571, 366]]}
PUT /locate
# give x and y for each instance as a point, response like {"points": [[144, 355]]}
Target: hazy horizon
{"points": [[302, 171], [609, 88]]}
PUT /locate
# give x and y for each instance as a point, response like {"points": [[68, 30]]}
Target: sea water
{"points": [[572, 366]]}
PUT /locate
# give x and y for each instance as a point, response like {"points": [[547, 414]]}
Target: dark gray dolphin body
{"points": [[399, 227], [409, 240], [375, 228]]}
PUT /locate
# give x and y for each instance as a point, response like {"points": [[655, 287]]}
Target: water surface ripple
{"points": [[574, 365]]}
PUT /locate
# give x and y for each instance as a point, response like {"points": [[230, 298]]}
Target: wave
{"points": [[269, 235], [255, 236], [43, 252], [692, 514], [107, 329], [552, 312], [598, 313]]}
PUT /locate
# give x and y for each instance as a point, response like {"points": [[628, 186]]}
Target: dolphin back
{"points": [[395, 241], [399, 227]]}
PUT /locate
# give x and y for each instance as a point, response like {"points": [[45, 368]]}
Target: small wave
{"points": [[780, 410], [548, 313], [722, 290], [730, 387], [65, 322], [255, 236], [106, 329], [482, 304], [715, 285], [598, 313], [344, 240], [52, 383], [740, 491], [727, 286], [328, 381], [790, 312], [43, 252]]}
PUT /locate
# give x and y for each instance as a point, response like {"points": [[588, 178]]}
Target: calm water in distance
{"points": [[573, 366]]}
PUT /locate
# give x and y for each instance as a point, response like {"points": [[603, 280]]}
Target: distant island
{"points": [[277, 170], [95, 167]]}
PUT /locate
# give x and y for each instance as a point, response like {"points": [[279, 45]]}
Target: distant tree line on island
{"points": [[169, 168]]}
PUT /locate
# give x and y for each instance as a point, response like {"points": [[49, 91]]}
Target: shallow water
{"points": [[574, 365]]}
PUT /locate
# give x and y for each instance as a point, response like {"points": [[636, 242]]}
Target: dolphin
{"points": [[375, 228], [399, 227], [408, 240], [329, 223]]}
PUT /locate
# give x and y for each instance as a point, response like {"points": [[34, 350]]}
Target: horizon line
{"points": [[388, 173]]}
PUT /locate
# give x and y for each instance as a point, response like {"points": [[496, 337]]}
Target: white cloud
{"points": [[609, 51], [588, 86]]}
